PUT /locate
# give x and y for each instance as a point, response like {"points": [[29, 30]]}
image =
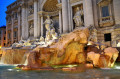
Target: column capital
{"points": [[40, 13], [35, 0], [23, 4], [59, 6]]}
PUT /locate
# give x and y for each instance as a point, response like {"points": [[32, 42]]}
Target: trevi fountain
{"points": [[75, 55]]}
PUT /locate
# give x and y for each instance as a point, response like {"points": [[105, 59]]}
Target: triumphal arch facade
{"points": [[26, 19]]}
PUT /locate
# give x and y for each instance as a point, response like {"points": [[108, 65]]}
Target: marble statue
{"points": [[48, 23], [77, 18], [27, 43], [31, 29], [54, 34], [51, 35], [42, 39], [48, 36]]}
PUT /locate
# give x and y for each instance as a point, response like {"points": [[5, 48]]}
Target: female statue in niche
{"points": [[78, 18], [31, 29]]}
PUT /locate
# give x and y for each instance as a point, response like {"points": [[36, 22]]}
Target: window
{"points": [[4, 38], [15, 34], [31, 6], [107, 37], [15, 15], [9, 36], [4, 44], [105, 11]]}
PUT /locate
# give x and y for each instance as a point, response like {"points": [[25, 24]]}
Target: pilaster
{"points": [[12, 27], [116, 6], [88, 13], [35, 19], [65, 16]]}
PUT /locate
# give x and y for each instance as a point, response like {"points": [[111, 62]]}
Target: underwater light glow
{"points": [[72, 65], [10, 69], [117, 67]]}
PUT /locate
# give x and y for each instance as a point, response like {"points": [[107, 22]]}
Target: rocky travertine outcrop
{"points": [[102, 58], [72, 48], [68, 50]]}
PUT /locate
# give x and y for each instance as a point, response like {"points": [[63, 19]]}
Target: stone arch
{"points": [[49, 7], [49, 4]]}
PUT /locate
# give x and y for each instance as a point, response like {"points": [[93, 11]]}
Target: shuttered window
{"points": [[105, 11]]}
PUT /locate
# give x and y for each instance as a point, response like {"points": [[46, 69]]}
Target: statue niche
{"points": [[31, 29], [78, 18]]}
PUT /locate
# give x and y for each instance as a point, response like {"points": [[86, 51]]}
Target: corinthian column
{"points": [[23, 22], [7, 31], [12, 29], [65, 16], [88, 12], [35, 19], [41, 25], [116, 6], [60, 21], [19, 25], [39, 28]]}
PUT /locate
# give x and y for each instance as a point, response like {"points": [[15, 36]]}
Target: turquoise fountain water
{"points": [[8, 72]]}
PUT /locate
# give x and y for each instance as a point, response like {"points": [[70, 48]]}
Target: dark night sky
{"points": [[3, 5]]}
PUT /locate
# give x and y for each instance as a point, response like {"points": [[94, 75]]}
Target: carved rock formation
{"points": [[102, 58], [72, 48], [68, 50]]}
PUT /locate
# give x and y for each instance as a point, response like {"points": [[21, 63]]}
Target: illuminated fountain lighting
{"points": [[118, 45], [10, 69], [117, 67], [72, 65], [90, 43]]}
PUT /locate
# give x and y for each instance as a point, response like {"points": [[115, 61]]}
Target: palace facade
{"points": [[2, 36], [25, 18]]}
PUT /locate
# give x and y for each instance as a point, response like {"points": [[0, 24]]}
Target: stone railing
{"points": [[106, 21], [106, 18]]}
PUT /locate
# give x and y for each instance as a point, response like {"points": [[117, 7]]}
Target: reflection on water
{"points": [[8, 72]]}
